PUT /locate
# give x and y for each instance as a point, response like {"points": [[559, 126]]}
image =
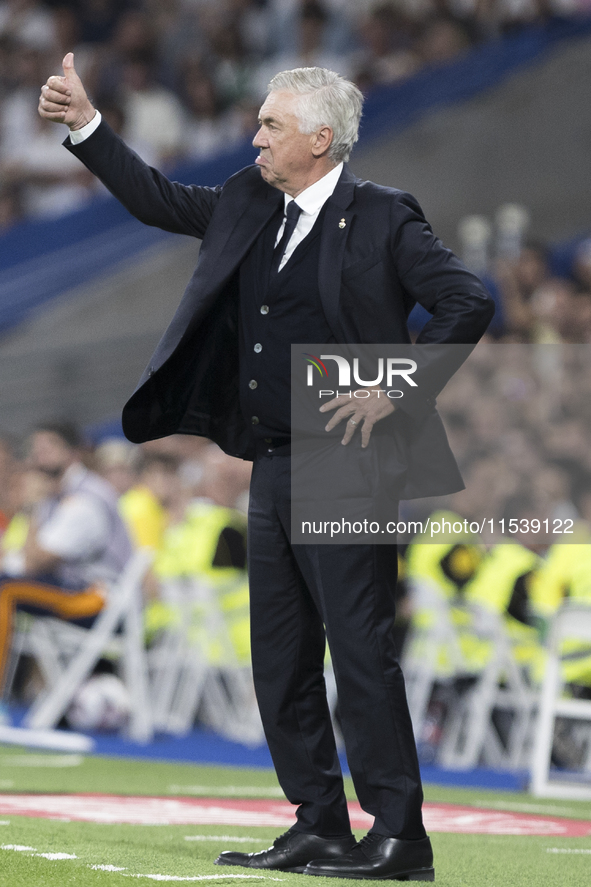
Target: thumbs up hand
{"points": [[64, 99]]}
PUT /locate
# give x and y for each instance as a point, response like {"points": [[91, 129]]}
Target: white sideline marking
{"points": [[23, 848], [57, 855], [106, 868], [526, 808], [204, 877], [42, 760], [4, 822], [54, 740], [566, 850], [228, 791], [236, 840]]}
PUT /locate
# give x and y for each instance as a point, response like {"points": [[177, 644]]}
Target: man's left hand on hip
{"points": [[360, 413]]}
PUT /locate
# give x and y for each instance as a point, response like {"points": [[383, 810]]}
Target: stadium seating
{"points": [[195, 664], [432, 652], [470, 736], [569, 622]]}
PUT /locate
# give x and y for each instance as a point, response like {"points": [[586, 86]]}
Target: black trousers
{"points": [[300, 595]]}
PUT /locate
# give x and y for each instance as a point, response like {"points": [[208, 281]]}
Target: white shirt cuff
{"points": [[79, 135]]}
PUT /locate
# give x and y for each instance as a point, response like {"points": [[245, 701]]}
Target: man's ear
{"points": [[322, 141]]}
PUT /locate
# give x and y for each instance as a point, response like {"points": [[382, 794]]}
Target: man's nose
{"points": [[259, 141]]}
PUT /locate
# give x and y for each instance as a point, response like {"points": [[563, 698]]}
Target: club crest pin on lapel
{"points": [[342, 223]]}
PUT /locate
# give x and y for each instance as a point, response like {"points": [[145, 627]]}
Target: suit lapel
{"points": [[236, 229], [335, 231]]}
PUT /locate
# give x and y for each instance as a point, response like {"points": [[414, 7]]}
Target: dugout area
{"points": [[42, 852]]}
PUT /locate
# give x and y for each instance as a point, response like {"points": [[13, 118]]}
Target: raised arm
{"points": [[143, 190]]}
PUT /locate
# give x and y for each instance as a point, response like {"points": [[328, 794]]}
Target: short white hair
{"points": [[324, 99]]}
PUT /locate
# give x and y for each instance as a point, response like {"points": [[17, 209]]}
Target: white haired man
{"points": [[296, 249]]}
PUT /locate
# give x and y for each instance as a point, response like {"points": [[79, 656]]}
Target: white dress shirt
{"points": [[310, 201], [79, 135]]}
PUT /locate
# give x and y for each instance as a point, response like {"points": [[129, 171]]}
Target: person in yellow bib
{"points": [[566, 576], [146, 506]]}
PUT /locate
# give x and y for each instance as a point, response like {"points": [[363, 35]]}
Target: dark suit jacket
{"points": [[371, 273]]}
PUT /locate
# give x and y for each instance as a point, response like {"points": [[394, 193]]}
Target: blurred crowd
{"points": [[183, 79], [71, 516], [542, 306], [475, 622], [519, 424], [157, 485], [543, 293]]}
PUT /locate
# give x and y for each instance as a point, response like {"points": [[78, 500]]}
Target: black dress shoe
{"points": [[379, 858], [291, 852]]}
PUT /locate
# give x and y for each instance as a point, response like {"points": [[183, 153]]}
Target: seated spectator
{"points": [[50, 184], [310, 28], [503, 584], [232, 69], [24, 67], [113, 112], [207, 544], [27, 21], [33, 170], [27, 489], [75, 545], [565, 575], [225, 480], [98, 19], [338, 16], [582, 267], [117, 460], [146, 507], [6, 466], [518, 279], [388, 53], [208, 129], [198, 527], [442, 40], [71, 36], [11, 206], [557, 315], [179, 35], [254, 21], [153, 115]]}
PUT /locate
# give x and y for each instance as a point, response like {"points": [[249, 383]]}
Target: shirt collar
{"points": [[313, 198]]}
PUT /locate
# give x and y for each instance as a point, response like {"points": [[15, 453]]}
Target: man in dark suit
{"points": [[296, 249]]}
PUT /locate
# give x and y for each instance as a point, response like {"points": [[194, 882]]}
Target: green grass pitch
{"points": [[72, 848]]}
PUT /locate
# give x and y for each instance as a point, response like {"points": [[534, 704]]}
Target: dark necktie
{"points": [[292, 214]]}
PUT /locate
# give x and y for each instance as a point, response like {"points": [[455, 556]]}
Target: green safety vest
{"points": [[220, 626], [566, 573]]}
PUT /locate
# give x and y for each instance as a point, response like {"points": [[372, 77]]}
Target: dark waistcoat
{"points": [[276, 312]]}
